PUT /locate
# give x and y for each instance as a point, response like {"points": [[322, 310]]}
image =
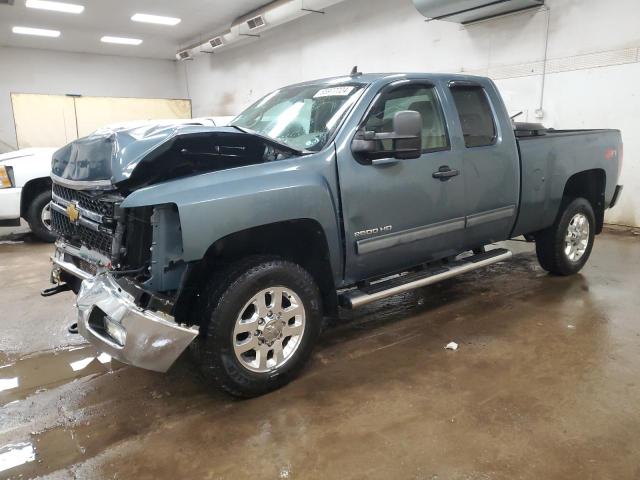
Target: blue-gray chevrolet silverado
{"points": [[238, 240]]}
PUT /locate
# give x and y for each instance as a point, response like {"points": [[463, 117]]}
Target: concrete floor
{"points": [[10, 232], [545, 385]]}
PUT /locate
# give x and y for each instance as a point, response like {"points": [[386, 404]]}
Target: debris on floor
{"points": [[451, 346]]}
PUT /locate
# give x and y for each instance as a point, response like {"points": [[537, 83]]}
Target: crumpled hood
{"points": [[112, 154]]}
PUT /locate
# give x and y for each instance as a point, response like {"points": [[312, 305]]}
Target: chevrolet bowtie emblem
{"points": [[73, 213]]}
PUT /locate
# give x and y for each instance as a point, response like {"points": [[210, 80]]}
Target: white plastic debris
{"points": [[451, 346]]}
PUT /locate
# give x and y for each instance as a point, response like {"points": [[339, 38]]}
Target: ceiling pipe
{"points": [[256, 22]]}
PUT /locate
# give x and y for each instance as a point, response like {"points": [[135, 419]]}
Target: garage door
{"points": [[43, 120], [55, 120], [96, 112]]}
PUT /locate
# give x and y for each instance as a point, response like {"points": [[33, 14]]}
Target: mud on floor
{"points": [[544, 385]]}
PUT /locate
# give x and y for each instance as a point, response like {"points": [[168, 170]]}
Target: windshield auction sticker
{"points": [[334, 92]]}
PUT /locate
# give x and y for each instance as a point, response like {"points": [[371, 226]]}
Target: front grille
{"points": [[87, 200], [80, 235]]}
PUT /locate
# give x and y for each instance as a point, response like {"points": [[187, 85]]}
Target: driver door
{"points": [[397, 214]]}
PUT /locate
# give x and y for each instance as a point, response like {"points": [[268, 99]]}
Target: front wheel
{"points": [[262, 318], [39, 217], [565, 247]]}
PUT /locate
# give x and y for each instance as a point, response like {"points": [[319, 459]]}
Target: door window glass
{"points": [[419, 98], [476, 116]]}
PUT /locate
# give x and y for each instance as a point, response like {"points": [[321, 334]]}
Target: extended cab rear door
{"points": [[399, 213], [486, 143]]}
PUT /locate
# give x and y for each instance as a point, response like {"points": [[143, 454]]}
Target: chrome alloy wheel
{"points": [[45, 216], [576, 239], [269, 329]]}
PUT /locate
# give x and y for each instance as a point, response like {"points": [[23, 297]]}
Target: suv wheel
{"points": [[565, 247], [259, 326], [39, 217]]}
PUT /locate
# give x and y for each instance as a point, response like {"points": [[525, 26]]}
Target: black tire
{"points": [[34, 217], [550, 243], [228, 292]]}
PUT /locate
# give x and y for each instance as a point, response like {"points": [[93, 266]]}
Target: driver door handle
{"points": [[445, 173]]}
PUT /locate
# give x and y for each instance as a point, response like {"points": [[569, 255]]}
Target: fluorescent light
{"points": [[121, 40], [41, 32], [55, 6], [143, 17]]}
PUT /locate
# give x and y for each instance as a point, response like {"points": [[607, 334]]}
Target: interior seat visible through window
{"points": [[432, 132], [419, 98], [476, 117]]}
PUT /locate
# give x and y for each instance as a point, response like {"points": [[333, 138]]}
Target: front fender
{"points": [[217, 204]]}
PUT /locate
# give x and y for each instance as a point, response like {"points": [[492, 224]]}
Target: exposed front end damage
{"points": [[126, 264], [126, 299], [111, 318]]}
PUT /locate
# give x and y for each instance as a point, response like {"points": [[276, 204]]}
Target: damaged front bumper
{"points": [[109, 318], [77, 262]]}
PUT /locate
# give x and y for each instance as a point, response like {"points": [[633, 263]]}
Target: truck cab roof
{"points": [[372, 78]]}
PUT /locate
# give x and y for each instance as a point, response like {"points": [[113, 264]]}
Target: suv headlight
{"points": [[6, 177]]}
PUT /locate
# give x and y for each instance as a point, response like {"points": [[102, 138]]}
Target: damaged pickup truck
{"points": [[238, 240]]}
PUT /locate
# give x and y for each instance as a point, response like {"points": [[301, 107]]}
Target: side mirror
{"points": [[405, 142]]}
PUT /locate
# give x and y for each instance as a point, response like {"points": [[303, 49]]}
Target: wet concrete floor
{"points": [[545, 385]]}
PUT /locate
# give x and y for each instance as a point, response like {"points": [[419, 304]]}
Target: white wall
{"points": [[24, 70], [583, 89]]}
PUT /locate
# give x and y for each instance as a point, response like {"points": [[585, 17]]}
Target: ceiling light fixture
{"points": [[121, 40], [55, 6], [160, 20], [40, 32]]}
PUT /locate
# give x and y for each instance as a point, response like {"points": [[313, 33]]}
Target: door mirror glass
{"points": [[407, 123], [403, 142], [407, 128]]}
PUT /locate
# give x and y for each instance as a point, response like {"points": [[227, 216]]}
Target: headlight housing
{"points": [[6, 177]]}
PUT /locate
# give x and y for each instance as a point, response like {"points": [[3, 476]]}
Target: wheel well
{"points": [[31, 190], [590, 185], [300, 241]]}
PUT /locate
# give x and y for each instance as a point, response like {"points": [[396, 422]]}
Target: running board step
{"points": [[411, 281]]}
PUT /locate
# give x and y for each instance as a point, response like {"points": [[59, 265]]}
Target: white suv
{"points": [[25, 190]]}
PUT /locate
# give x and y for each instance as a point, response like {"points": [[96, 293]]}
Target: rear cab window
{"points": [[476, 117]]}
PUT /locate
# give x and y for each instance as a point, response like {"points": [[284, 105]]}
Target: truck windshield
{"points": [[303, 117]]}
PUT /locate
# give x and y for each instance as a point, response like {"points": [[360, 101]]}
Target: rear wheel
{"points": [[259, 326], [565, 247], [39, 217]]}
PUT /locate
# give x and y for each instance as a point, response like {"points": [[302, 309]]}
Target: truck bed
{"points": [[548, 158]]}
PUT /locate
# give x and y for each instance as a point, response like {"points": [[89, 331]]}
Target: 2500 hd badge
{"points": [[373, 231]]}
